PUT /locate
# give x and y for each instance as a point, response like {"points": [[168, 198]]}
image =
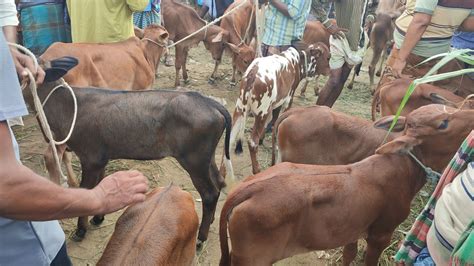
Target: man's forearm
{"points": [[22, 192], [280, 7], [416, 29], [22, 197], [10, 33]]}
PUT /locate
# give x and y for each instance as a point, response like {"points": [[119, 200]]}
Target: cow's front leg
{"points": [[303, 87], [232, 80], [257, 132], [185, 71], [178, 63], [376, 243], [316, 87], [51, 165], [349, 253], [90, 176], [213, 77]]}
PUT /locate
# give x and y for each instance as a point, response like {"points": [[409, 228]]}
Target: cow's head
{"points": [[215, 41], [155, 33], [437, 131], [317, 59], [243, 55]]}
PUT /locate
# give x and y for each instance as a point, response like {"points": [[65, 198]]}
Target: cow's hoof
{"points": [[378, 74], [211, 81], [199, 245], [350, 86], [79, 235], [238, 148], [302, 95], [97, 220], [233, 84], [186, 81]]}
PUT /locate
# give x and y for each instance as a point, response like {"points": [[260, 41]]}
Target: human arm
{"points": [[203, 11], [416, 29], [137, 5], [25, 195], [281, 7], [467, 24]]}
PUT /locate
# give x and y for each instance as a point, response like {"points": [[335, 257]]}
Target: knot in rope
{"points": [[431, 174]]}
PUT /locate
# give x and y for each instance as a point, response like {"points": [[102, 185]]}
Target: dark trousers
{"points": [[62, 259]]}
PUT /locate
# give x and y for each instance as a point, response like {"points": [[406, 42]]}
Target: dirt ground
{"points": [[166, 171]]}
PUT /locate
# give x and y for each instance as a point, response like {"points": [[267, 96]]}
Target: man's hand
{"points": [[23, 62], [398, 67], [119, 190], [335, 31]]}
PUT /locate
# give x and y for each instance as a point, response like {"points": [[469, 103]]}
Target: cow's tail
{"points": [[236, 197], [275, 148], [240, 115], [228, 127], [375, 103]]}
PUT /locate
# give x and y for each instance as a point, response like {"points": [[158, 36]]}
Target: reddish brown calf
{"points": [[294, 208]]}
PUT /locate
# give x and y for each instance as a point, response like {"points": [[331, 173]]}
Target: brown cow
{"points": [[320, 135], [160, 231], [390, 95], [294, 208], [241, 27], [181, 20], [270, 83], [126, 65], [315, 32]]}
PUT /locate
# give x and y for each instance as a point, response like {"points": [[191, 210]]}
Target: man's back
{"points": [[103, 21]]}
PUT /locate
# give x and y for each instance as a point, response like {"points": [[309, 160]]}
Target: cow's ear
{"points": [[315, 51], [386, 122], [235, 49], [222, 36], [138, 32], [436, 98], [59, 68], [399, 145], [164, 36]]}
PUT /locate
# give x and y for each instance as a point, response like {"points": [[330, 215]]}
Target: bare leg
{"points": [[50, 163], [71, 176], [334, 85]]}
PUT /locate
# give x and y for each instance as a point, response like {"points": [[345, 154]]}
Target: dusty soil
{"points": [[166, 171]]}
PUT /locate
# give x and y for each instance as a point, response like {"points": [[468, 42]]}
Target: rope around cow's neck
{"points": [[242, 40], [207, 25], [39, 107], [157, 43], [431, 174]]}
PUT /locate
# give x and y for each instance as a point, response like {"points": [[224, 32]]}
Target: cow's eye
{"points": [[444, 124]]}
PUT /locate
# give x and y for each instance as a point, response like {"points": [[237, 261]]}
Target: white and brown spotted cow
{"points": [[270, 83]]}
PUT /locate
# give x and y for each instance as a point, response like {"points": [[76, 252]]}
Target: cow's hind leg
{"points": [[257, 133], [185, 71], [384, 55], [349, 253], [203, 182], [91, 174], [351, 84]]}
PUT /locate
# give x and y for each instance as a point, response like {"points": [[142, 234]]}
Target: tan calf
{"points": [[159, 231]]}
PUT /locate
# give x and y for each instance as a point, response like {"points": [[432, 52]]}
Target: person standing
{"points": [[347, 48], [151, 15], [103, 21], [285, 21]]}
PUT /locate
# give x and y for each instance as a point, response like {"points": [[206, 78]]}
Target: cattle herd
{"points": [[335, 178]]}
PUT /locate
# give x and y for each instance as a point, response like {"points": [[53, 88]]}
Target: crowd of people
{"points": [[29, 234]]}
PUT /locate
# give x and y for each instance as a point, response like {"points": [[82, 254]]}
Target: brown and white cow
{"points": [[390, 95], [159, 231], [241, 27], [269, 83], [181, 20], [126, 65], [320, 135], [295, 208]]}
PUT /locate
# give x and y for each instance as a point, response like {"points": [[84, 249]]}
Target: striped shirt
{"points": [[281, 30], [445, 19]]}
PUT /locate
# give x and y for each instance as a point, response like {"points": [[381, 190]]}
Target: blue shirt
{"points": [[463, 40], [281, 30], [22, 242]]}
